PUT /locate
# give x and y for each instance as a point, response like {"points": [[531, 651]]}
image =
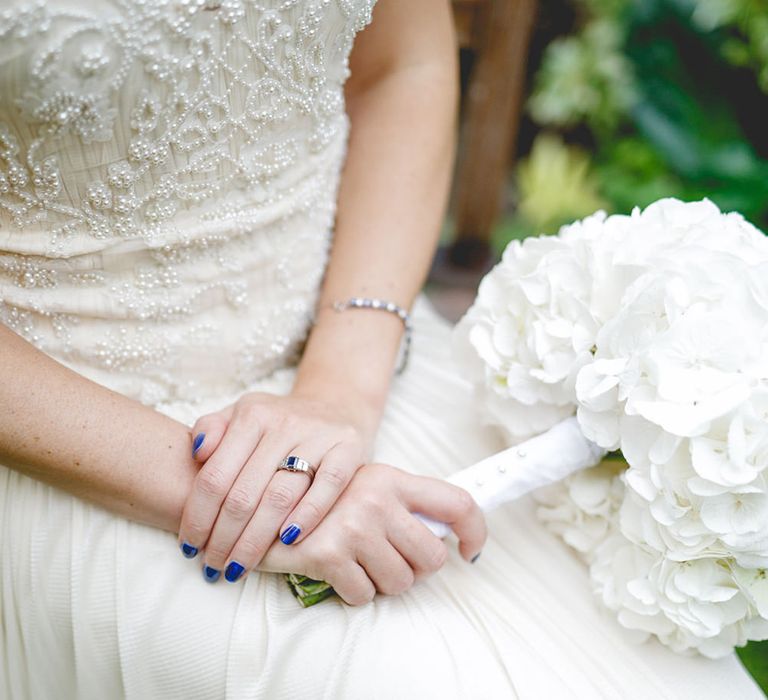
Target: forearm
{"points": [[391, 204], [67, 431]]}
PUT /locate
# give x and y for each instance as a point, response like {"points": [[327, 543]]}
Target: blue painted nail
{"points": [[197, 443], [290, 534], [475, 558], [234, 571], [210, 574], [188, 550]]}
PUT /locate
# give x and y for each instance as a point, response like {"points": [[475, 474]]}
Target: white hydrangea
{"points": [[653, 328], [582, 508], [705, 605], [532, 327]]}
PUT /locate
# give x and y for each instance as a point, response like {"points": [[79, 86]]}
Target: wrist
{"points": [[357, 409], [352, 352], [385, 306]]}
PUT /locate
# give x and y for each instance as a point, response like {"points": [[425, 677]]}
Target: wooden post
{"points": [[493, 108]]}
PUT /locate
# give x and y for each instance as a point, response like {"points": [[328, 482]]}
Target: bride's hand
{"points": [[370, 540], [240, 501]]}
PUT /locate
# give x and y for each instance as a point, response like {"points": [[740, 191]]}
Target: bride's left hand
{"points": [[239, 497]]}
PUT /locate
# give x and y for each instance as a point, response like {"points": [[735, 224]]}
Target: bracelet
{"points": [[383, 305]]}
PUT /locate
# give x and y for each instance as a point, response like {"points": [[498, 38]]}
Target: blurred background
{"points": [[569, 106]]}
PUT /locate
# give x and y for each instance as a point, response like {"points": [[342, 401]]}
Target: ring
{"points": [[292, 463]]}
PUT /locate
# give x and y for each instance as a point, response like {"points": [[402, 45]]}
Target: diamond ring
{"points": [[293, 463]]}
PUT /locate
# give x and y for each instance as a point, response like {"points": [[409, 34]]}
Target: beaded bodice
{"points": [[168, 178]]}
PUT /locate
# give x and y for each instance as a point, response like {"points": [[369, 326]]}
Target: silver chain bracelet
{"points": [[384, 305]]}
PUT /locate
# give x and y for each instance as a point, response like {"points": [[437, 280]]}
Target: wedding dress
{"points": [[168, 176]]}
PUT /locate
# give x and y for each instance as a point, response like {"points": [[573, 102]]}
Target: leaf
{"points": [[754, 656]]}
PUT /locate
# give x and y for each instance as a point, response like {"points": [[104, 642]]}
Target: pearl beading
{"points": [[164, 167]]}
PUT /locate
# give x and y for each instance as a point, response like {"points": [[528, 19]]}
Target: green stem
{"points": [[308, 591]]}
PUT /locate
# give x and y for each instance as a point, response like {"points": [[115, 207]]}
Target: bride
{"points": [[189, 191]]}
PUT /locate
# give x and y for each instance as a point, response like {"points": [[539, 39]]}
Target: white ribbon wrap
{"points": [[514, 472]]}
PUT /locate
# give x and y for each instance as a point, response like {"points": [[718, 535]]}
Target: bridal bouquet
{"points": [[653, 330], [645, 333]]}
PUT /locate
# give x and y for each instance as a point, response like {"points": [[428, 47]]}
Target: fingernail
{"points": [[197, 443], [188, 550], [210, 574], [290, 534], [475, 558], [234, 571]]}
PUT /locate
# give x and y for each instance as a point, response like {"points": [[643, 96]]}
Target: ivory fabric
{"points": [[168, 173]]}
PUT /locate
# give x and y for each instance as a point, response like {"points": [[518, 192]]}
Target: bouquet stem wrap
{"points": [[496, 480]]}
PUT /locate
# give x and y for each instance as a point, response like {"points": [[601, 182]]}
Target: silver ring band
{"points": [[293, 463]]}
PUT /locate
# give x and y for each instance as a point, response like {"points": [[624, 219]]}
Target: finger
{"points": [[336, 470], [424, 552], [346, 576], [237, 509], [207, 433], [214, 481], [389, 572], [280, 496], [453, 505], [242, 501], [281, 560], [352, 583]]}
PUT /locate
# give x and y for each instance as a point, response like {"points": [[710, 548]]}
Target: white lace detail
{"points": [[168, 175]]}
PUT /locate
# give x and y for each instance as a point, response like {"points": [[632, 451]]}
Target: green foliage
{"points": [[610, 9], [691, 128], [755, 657], [746, 24], [632, 173], [584, 77], [555, 185], [647, 86]]}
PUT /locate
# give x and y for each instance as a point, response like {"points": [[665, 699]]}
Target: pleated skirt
{"points": [[95, 606]]}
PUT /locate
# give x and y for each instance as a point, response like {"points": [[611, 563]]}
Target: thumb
{"points": [[207, 433]]}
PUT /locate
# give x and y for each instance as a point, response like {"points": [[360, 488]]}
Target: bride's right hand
{"points": [[370, 542]]}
